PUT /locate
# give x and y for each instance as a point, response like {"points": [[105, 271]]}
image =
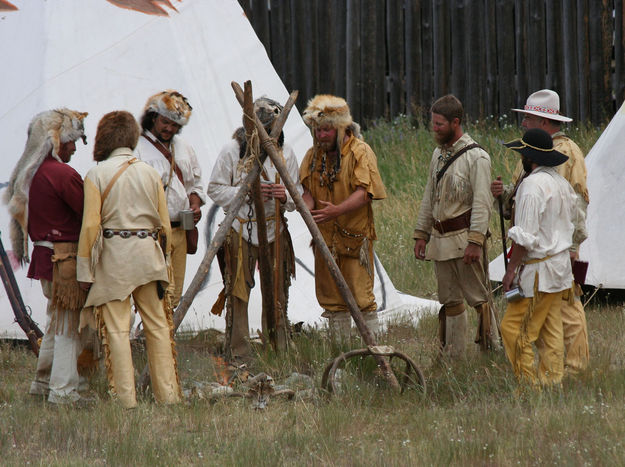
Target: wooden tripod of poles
{"points": [[269, 144]]}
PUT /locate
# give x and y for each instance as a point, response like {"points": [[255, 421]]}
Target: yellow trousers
{"points": [[116, 317], [355, 274], [178, 260], [575, 333], [537, 321]]}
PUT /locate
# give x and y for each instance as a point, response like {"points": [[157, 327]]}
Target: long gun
{"points": [[33, 333]]}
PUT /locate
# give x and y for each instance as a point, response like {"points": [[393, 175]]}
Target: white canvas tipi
{"points": [[97, 56], [603, 249]]}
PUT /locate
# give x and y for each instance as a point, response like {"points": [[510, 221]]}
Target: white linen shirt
{"points": [[545, 206], [227, 177], [185, 159]]}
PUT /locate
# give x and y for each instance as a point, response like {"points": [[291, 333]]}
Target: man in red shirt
{"points": [[45, 199]]}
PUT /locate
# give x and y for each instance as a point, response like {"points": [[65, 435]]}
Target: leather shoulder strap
{"points": [[443, 169], [168, 155], [121, 170]]}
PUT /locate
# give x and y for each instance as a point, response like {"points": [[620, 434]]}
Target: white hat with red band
{"points": [[544, 103]]}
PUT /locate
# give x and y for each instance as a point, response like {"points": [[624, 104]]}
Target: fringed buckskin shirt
{"points": [[186, 160], [545, 208], [116, 266], [359, 168], [228, 175], [465, 185]]}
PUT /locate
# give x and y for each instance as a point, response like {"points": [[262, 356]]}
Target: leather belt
{"points": [[463, 221], [109, 233]]}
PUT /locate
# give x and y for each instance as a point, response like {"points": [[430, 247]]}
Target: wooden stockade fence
{"points": [[391, 57]]}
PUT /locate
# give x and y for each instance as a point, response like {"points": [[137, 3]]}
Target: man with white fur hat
{"points": [[45, 199], [542, 111], [164, 115], [340, 177]]}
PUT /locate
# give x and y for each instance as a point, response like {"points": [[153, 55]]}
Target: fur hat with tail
{"points": [[170, 104], [46, 132], [325, 109]]}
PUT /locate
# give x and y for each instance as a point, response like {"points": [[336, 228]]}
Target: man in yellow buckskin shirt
{"points": [[453, 223], [119, 254], [340, 178], [542, 111]]}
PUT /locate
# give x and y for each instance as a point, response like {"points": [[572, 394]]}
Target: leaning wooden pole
{"points": [[264, 266], [224, 228], [269, 146]]}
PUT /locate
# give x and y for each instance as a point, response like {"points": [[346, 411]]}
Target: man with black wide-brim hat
{"points": [[539, 265], [542, 110]]}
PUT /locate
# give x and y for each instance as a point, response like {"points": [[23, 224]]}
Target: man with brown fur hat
{"points": [[340, 178], [119, 254], [453, 223], [45, 199], [160, 146], [240, 252]]}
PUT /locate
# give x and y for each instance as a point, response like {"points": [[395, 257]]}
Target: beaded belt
{"points": [[109, 233]]}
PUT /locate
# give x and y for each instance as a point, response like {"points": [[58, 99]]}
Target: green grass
{"points": [[474, 413]]}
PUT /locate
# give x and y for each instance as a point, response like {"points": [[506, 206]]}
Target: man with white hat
{"points": [[160, 146], [542, 110], [539, 270]]}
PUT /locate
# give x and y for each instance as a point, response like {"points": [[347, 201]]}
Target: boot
{"points": [[371, 320], [487, 329], [456, 335], [340, 324]]}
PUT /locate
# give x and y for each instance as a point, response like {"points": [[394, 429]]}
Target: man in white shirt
{"points": [[240, 251], [539, 265], [160, 146]]}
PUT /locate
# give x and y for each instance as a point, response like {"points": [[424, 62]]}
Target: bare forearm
{"points": [[356, 200]]}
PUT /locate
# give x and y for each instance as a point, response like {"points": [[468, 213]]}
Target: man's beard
{"points": [[445, 138], [328, 146], [163, 140]]}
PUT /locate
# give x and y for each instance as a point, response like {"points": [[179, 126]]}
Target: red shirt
{"points": [[55, 202]]}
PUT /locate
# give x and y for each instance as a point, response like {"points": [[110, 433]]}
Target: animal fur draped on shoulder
{"points": [[46, 132], [117, 129]]}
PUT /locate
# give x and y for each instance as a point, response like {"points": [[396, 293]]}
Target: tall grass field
{"points": [[474, 412]]}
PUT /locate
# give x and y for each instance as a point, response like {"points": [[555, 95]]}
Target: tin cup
{"points": [[514, 294], [186, 219]]}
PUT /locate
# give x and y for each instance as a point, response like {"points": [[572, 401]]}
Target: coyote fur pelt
{"points": [[46, 132]]}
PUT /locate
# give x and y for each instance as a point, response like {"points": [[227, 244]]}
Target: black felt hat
{"points": [[537, 146]]}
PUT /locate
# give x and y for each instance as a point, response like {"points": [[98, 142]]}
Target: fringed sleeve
{"points": [[90, 242]]}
